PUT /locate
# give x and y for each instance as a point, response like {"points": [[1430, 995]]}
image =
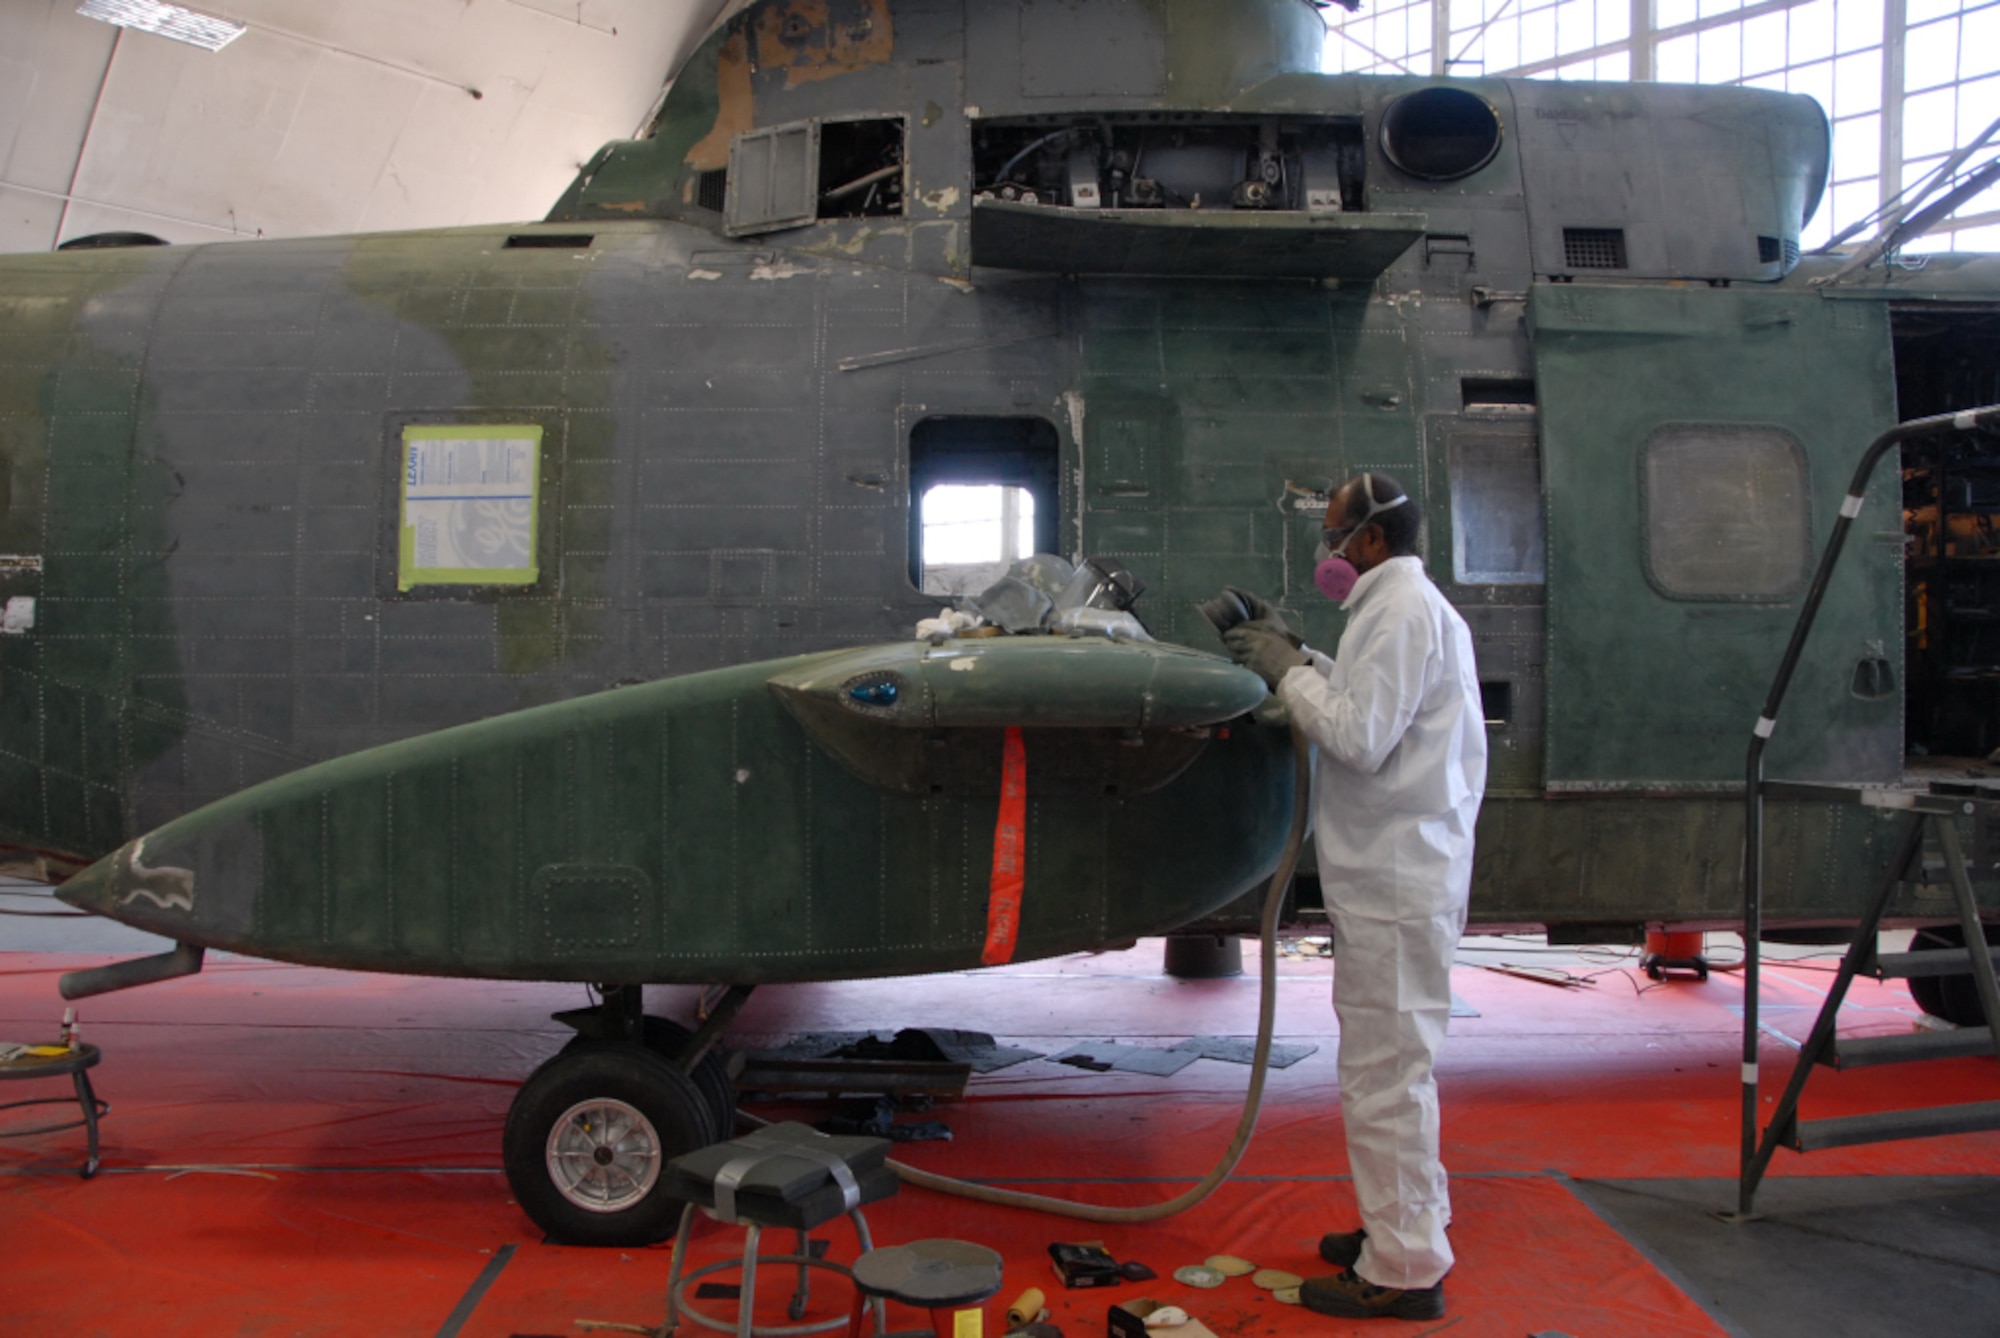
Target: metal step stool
{"points": [[75, 1066], [783, 1175]]}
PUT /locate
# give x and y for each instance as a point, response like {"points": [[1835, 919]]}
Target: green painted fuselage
{"points": [[738, 407]]}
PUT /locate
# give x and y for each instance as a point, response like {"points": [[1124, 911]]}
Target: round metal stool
{"points": [[783, 1176], [931, 1275], [74, 1064]]}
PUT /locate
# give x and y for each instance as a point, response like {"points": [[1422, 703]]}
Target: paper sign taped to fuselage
{"points": [[468, 513]]}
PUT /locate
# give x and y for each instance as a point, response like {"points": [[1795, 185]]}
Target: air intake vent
{"points": [[1497, 394], [1773, 250], [549, 241], [1594, 248], [712, 190]]}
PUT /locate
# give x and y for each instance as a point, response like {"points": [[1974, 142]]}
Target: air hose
{"points": [[1267, 1011]]}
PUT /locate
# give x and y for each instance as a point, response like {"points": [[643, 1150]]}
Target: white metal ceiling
{"points": [[327, 116]]}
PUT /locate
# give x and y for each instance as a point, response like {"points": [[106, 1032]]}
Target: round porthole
{"points": [[1440, 134]]}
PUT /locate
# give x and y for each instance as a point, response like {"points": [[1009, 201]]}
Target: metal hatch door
{"points": [[1696, 446]]}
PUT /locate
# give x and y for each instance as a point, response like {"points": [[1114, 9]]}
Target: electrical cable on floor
{"points": [[1260, 1063]]}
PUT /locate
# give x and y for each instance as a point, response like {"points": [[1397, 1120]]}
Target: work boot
{"points": [[1350, 1296], [1342, 1249]]}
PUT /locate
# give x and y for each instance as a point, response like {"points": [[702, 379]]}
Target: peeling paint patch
{"points": [[856, 245], [703, 275], [777, 269], [168, 888], [963, 285], [822, 39], [941, 200], [735, 110], [31, 308], [623, 207]]}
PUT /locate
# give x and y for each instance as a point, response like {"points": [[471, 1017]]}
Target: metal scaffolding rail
{"points": [[1942, 813]]}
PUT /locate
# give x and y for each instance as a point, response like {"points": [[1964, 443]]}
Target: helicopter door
{"points": [[1696, 446]]}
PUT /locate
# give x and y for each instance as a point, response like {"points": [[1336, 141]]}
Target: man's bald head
{"points": [[1401, 525]]}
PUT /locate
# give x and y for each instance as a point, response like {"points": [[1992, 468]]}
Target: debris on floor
{"points": [[877, 1119], [1165, 1061]]}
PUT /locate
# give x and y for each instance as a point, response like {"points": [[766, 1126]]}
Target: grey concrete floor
{"points": [[1832, 1256]]}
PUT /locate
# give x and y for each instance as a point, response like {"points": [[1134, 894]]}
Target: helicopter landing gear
{"points": [[589, 1136], [590, 1133]]}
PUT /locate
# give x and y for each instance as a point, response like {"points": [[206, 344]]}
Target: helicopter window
{"points": [[1727, 513], [972, 533], [1496, 510], [861, 169], [786, 176], [982, 493]]}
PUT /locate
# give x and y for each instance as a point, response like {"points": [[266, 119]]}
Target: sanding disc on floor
{"points": [[1198, 1275], [1229, 1265]]}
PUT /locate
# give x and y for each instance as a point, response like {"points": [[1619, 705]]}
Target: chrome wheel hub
{"points": [[603, 1155]]}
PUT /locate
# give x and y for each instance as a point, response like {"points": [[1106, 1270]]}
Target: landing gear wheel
{"points": [[588, 1137], [668, 1039], [1953, 998], [711, 1075]]}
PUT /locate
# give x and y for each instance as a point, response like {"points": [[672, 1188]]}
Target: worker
{"points": [[1400, 740]]}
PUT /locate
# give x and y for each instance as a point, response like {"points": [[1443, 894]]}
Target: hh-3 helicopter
{"points": [[535, 601]]}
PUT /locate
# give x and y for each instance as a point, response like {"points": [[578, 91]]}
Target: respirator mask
{"points": [[1333, 573]]}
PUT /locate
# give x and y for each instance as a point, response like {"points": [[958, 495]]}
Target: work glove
{"points": [[1237, 607], [1268, 653]]}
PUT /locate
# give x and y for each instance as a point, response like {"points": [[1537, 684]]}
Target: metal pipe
{"points": [[184, 960]]}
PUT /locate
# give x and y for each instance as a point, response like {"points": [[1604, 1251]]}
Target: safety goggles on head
{"points": [[1334, 539]]}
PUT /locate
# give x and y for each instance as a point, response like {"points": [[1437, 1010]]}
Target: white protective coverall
{"points": [[1400, 738]]}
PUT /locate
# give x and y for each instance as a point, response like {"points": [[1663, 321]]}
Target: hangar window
{"points": [[982, 494], [786, 176], [1496, 510], [1728, 513]]}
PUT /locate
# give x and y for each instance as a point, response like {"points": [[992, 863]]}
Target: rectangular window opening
{"points": [[983, 494], [861, 169], [1497, 394], [1497, 700], [1728, 513], [1176, 161], [1497, 530]]}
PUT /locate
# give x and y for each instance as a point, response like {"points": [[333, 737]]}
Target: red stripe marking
{"points": [[1010, 854]]}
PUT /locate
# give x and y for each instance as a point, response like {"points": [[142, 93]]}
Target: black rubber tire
{"points": [[676, 1116], [1953, 998], [666, 1037]]}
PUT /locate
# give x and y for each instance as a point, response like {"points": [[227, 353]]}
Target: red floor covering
{"points": [[294, 1151]]}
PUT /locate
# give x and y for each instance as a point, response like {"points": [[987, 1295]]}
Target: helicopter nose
{"points": [[93, 889]]}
